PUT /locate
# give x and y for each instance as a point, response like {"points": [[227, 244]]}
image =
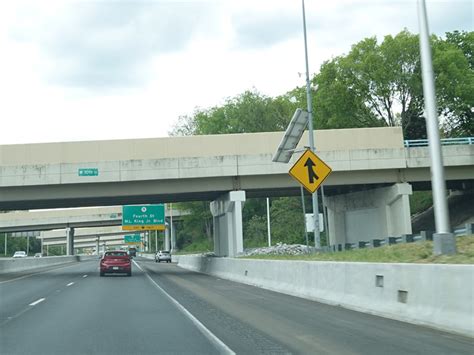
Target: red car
{"points": [[115, 262]]}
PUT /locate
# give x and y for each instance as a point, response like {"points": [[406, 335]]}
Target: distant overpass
{"points": [[100, 173], [22, 221]]}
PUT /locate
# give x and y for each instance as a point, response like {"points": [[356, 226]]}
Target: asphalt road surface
{"points": [[163, 309]]}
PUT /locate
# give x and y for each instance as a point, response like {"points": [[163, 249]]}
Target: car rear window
{"points": [[116, 253]]}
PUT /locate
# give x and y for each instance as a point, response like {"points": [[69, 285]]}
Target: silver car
{"points": [[20, 254], [163, 255]]}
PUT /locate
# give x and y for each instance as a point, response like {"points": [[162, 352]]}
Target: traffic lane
{"points": [[299, 325], [114, 314], [27, 288]]}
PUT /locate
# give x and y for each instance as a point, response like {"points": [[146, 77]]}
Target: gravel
{"points": [[279, 249]]}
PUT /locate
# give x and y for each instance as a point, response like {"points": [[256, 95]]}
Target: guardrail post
{"points": [[469, 228], [426, 235], [375, 243], [407, 238]]}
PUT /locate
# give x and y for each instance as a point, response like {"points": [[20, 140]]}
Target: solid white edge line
{"points": [[219, 344], [70, 284], [37, 301]]}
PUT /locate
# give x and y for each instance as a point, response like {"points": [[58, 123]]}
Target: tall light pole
{"points": [[443, 239], [317, 236]]}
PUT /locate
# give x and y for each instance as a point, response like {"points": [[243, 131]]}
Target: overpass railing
{"points": [[445, 141]]}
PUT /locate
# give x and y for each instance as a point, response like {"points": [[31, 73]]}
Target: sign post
{"points": [[143, 217]]}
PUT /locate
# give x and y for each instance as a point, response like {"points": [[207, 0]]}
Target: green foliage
{"points": [[248, 112], [200, 246], [380, 85], [287, 221], [196, 226], [255, 232], [454, 69], [420, 201], [18, 243]]}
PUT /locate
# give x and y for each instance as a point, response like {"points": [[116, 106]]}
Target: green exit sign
{"points": [[143, 217], [132, 239], [88, 172]]}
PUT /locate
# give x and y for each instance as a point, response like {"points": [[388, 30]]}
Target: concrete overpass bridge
{"points": [[226, 169], [70, 226]]}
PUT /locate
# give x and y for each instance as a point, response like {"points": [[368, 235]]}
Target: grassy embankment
{"points": [[419, 252]]}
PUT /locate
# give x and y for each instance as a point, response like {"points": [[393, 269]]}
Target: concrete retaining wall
{"points": [[22, 264], [440, 296]]}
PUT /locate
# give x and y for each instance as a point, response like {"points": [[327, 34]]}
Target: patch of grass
{"points": [[419, 252], [203, 246]]}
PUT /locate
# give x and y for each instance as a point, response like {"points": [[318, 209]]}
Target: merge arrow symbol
{"points": [[311, 174]]}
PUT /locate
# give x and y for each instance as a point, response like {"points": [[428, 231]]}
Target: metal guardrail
{"points": [[445, 141], [406, 238]]}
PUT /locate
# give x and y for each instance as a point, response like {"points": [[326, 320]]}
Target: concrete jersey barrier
{"points": [[23, 264], [435, 295]]}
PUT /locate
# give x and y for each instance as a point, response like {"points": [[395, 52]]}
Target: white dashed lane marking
{"points": [[70, 284], [37, 301]]}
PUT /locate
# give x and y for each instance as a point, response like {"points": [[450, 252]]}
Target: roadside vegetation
{"points": [[376, 84], [419, 252]]}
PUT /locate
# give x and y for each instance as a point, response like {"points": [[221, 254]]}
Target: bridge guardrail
{"points": [[445, 141]]}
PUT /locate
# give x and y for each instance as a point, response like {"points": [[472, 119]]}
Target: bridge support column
{"points": [[97, 246], [173, 236], [167, 237], [69, 241], [227, 213], [371, 214]]}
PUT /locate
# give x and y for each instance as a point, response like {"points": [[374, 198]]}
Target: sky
{"points": [[117, 69]]}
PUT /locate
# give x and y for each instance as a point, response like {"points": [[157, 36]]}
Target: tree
{"points": [[380, 85], [197, 225], [287, 221], [248, 112], [454, 69]]}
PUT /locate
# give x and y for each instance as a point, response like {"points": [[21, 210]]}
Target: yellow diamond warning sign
{"points": [[310, 171]]}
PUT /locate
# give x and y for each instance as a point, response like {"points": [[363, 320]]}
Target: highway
{"points": [[165, 309]]}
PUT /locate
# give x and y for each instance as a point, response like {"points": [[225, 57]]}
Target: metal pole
{"points": [[304, 216], [444, 242], [27, 245], [156, 241], [317, 237], [6, 244], [268, 223], [325, 217]]}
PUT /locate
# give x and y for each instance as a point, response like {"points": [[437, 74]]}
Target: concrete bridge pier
{"points": [[173, 236], [371, 214], [227, 214], [69, 241], [167, 237]]}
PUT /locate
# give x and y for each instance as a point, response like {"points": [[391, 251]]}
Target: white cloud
{"points": [[80, 70]]}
